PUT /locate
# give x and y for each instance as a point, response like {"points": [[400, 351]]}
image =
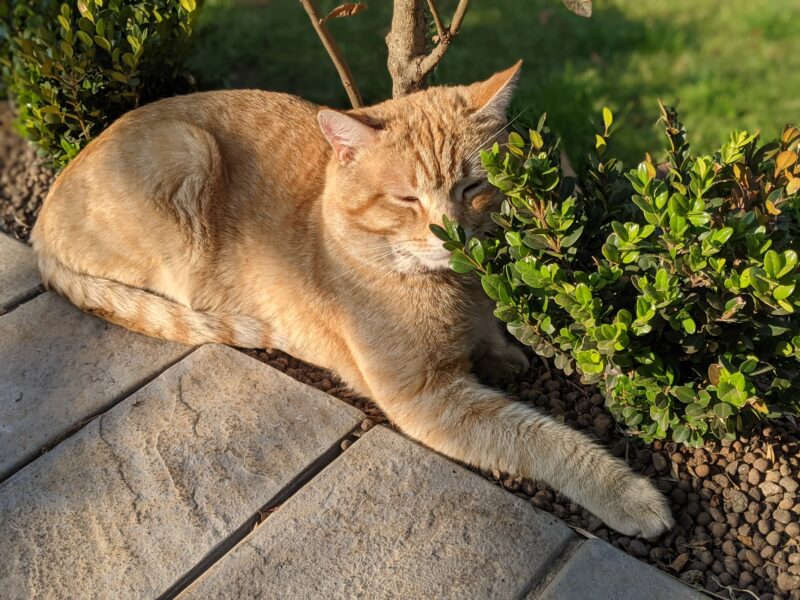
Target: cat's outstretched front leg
{"points": [[458, 417]]}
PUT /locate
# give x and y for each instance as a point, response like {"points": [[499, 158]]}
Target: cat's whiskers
{"points": [[369, 262], [387, 244], [494, 135]]}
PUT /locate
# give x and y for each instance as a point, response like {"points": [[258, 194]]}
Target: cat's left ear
{"points": [[346, 134], [492, 97]]}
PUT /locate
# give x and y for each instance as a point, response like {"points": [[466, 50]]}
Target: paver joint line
{"points": [[600, 571], [19, 277], [136, 499], [240, 535], [65, 434], [390, 518], [554, 568]]}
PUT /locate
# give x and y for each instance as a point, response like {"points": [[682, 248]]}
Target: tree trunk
{"points": [[407, 47]]}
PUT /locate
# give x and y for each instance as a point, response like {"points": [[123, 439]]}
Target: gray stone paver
{"points": [[138, 497], [599, 571], [129, 504], [18, 274], [59, 366], [390, 519]]}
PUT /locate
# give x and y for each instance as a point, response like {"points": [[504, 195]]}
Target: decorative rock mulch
{"points": [[24, 179], [736, 503]]}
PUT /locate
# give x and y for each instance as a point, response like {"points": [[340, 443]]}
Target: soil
{"points": [[736, 504], [24, 179]]}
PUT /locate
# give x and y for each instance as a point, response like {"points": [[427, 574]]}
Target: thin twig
{"points": [[458, 17], [333, 51], [445, 36], [440, 31]]}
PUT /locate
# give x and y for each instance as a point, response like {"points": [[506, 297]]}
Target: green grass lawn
{"points": [[726, 65]]}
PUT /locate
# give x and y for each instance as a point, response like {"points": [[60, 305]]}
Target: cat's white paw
{"points": [[502, 364], [638, 509]]}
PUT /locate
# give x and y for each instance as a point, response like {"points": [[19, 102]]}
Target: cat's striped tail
{"points": [[148, 313]]}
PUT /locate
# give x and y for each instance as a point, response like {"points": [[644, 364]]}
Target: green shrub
{"points": [[676, 289], [72, 68]]}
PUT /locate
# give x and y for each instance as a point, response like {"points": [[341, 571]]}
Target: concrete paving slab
{"points": [[599, 571], [18, 274], [129, 504], [59, 367], [391, 519]]}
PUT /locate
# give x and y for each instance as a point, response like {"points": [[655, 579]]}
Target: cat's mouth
{"points": [[408, 261]]}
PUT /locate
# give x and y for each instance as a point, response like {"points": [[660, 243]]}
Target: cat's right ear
{"points": [[346, 134]]}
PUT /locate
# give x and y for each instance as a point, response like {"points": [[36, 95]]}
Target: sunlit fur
{"points": [[229, 217]]}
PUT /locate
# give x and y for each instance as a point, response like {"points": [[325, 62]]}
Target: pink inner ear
{"points": [[345, 134]]}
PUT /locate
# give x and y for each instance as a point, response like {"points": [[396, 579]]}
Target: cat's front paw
{"points": [[502, 363], [638, 509]]}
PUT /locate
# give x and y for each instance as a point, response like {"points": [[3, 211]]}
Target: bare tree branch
{"points": [[333, 51], [409, 62]]}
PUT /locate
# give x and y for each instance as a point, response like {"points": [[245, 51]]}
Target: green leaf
{"points": [[102, 42], [695, 410], [583, 294], [723, 410], [515, 143], [536, 140], [772, 263], [790, 262], [728, 393], [476, 250], [568, 240], [599, 143], [460, 263], [680, 434], [84, 37], [684, 393], [689, 325], [188, 5], [439, 232], [608, 118], [782, 292], [490, 284]]}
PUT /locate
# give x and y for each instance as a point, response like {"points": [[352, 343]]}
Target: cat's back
{"points": [[247, 136], [182, 174], [267, 135]]}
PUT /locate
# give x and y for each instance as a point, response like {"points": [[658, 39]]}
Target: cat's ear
{"points": [[346, 134], [492, 97]]}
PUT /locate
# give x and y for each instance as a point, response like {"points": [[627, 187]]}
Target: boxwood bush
{"points": [[73, 67], [674, 287]]}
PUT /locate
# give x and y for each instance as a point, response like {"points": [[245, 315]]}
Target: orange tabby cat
{"points": [[258, 219]]}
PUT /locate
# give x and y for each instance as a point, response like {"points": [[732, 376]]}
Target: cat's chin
{"points": [[411, 263]]}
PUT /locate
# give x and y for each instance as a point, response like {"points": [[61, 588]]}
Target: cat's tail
{"points": [[148, 313]]}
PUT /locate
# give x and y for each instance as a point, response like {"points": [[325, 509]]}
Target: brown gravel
{"points": [[736, 504], [732, 538], [24, 179]]}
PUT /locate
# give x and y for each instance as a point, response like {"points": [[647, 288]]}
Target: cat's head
{"points": [[399, 166]]}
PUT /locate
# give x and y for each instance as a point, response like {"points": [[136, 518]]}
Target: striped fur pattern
{"points": [[258, 219]]}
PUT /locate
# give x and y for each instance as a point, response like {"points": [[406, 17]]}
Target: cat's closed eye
{"points": [[471, 189]]}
